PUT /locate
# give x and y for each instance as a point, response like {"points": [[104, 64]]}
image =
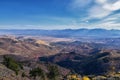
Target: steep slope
{"points": [[27, 65], [104, 62]]}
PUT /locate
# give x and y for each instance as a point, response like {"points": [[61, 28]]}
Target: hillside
{"points": [[27, 47], [25, 67], [93, 58], [96, 64]]}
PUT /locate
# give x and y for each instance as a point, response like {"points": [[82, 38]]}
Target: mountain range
{"points": [[66, 33]]}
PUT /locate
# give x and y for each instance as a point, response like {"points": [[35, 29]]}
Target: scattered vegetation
{"points": [[73, 77], [53, 73], [12, 64], [37, 72]]}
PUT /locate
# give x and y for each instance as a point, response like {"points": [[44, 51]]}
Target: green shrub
{"points": [[37, 72], [23, 74], [53, 73], [12, 64]]}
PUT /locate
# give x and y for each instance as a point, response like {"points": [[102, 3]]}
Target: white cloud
{"points": [[109, 25], [98, 12], [102, 25], [103, 8], [112, 18], [101, 11], [100, 8], [112, 7]]}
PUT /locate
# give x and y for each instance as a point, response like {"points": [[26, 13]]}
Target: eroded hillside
{"points": [[27, 47]]}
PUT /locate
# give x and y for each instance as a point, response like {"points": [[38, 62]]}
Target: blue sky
{"points": [[59, 14]]}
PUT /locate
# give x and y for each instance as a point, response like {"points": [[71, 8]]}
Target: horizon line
{"points": [[62, 29]]}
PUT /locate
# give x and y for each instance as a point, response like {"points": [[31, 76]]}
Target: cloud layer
{"points": [[103, 8], [60, 14], [101, 14]]}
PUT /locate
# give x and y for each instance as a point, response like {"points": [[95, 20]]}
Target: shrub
{"points": [[12, 64], [23, 74], [85, 78], [53, 73], [37, 72]]}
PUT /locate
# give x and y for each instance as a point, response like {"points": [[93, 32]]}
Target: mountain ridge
{"points": [[69, 33]]}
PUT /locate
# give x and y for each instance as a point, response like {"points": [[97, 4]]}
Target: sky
{"points": [[59, 14]]}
